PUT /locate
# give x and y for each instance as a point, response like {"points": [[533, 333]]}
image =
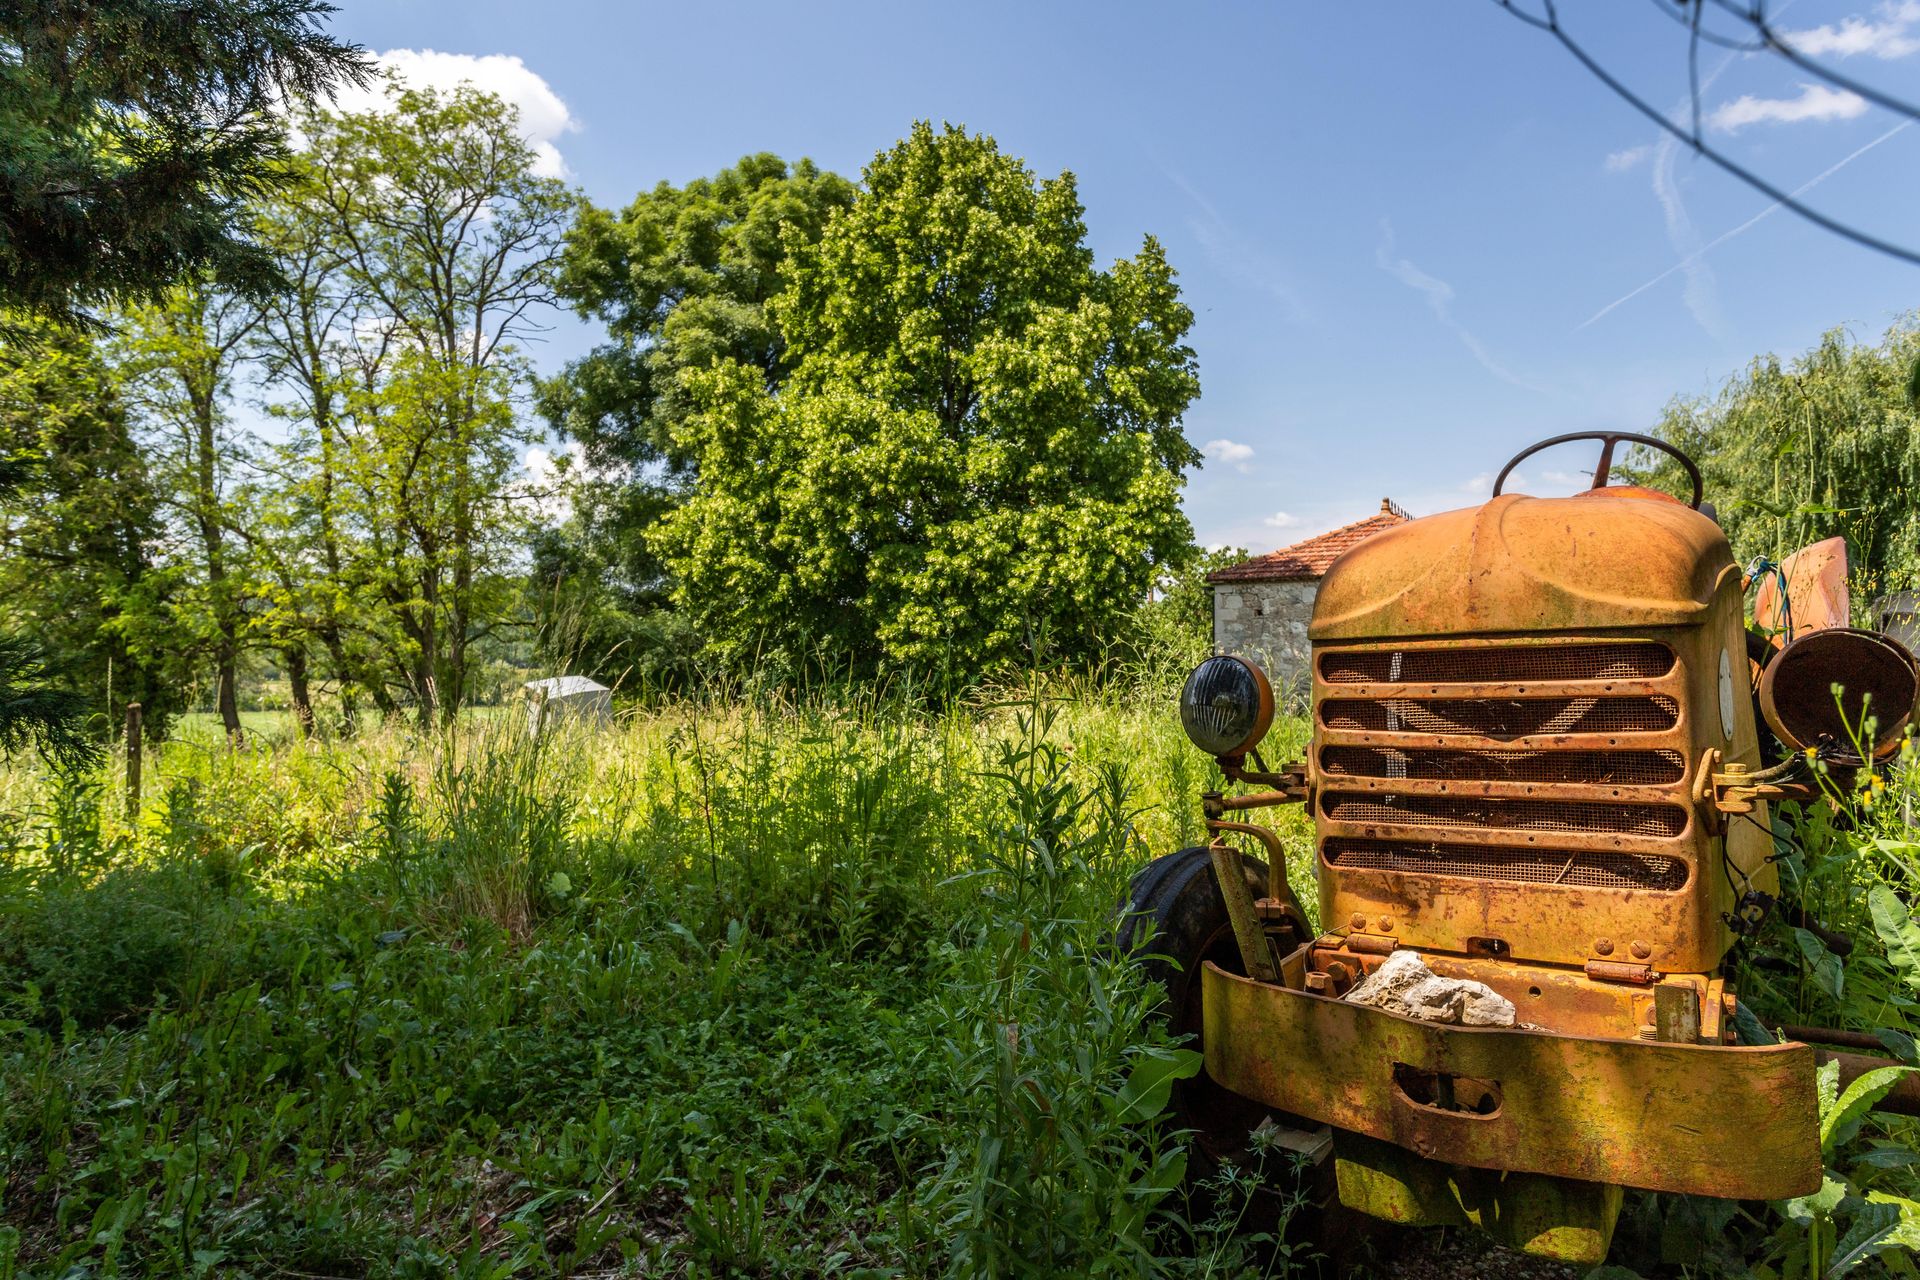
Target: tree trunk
{"points": [[296, 662], [228, 684]]}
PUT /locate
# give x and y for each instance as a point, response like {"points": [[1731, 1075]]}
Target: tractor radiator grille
{"points": [[1584, 868], [1471, 768], [1502, 718], [1638, 660], [1596, 768], [1660, 821]]}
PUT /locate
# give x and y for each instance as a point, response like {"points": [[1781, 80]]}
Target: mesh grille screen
{"points": [[1639, 660], [1657, 820], [1592, 869], [1617, 768], [1502, 717]]}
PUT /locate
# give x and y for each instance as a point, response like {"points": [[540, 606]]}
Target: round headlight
{"points": [[1227, 706]]}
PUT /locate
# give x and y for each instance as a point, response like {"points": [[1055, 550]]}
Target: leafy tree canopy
{"points": [[980, 432], [131, 132], [1827, 443], [681, 279]]}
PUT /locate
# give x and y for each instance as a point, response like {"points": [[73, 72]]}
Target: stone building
{"points": [[1261, 606]]}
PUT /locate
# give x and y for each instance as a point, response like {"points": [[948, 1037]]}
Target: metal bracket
{"points": [[1255, 954], [1724, 790]]}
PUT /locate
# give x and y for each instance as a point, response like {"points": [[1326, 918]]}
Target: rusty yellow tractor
{"points": [[1544, 741]]}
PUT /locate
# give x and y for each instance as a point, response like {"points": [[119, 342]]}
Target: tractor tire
{"points": [[1174, 921]]}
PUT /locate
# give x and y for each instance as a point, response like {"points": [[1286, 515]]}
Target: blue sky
{"points": [[1396, 221]]}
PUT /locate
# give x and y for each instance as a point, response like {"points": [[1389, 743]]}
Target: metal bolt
{"points": [[1641, 950], [1603, 946], [1359, 921], [1386, 925]]}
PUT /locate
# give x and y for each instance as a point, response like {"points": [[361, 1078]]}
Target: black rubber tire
{"points": [[1174, 921]]}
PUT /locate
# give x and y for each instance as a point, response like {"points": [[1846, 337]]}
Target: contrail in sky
{"points": [[1693, 257]]}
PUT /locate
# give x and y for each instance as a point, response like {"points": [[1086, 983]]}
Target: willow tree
{"points": [[979, 433], [1825, 443]]}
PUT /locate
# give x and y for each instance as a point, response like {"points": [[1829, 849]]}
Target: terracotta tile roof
{"points": [[1304, 561]]}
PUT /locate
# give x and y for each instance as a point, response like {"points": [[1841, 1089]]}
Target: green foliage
{"points": [[404, 1007], [35, 714], [1062, 1077], [78, 577], [1173, 631], [681, 278], [131, 131], [444, 245], [1825, 444], [980, 432], [83, 576]]}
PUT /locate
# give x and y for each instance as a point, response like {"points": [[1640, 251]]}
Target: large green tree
{"points": [[1825, 443], [681, 279], [442, 243], [132, 132], [980, 432], [79, 579], [178, 359]]}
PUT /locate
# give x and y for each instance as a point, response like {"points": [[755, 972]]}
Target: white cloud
{"points": [[1439, 295], [1231, 452], [1621, 161], [1887, 39], [1282, 520], [1481, 485], [548, 482], [1816, 102], [544, 118]]}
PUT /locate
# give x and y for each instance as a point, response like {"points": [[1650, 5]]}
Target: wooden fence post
{"points": [[133, 761]]}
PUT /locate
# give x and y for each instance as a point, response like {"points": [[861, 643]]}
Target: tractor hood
{"points": [[1608, 558]]}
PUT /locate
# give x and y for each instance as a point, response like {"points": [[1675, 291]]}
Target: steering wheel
{"points": [[1608, 439]]}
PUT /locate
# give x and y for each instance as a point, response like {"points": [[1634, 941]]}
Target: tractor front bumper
{"points": [[1711, 1120]]}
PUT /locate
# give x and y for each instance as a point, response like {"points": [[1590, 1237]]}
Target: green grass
{"points": [[736, 987], [742, 986]]}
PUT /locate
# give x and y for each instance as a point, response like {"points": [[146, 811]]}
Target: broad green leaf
{"points": [[1841, 1122], [1907, 1234], [1819, 1205], [1827, 970], [1899, 1044], [1893, 921], [1868, 1233], [1150, 1084], [1826, 1084]]}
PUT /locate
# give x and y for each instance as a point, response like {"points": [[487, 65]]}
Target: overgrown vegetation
{"points": [[1825, 443], [746, 985]]}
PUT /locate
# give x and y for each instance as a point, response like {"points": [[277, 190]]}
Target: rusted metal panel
{"points": [[1550, 1217], [1713, 1120], [1816, 595], [1560, 854], [1520, 564], [1875, 674], [1255, 952]]}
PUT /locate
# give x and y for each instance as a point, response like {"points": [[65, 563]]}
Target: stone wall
{"points": [[1267, 621]]}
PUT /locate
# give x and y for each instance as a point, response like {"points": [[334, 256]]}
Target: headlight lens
{"points": [[1227, 706]]}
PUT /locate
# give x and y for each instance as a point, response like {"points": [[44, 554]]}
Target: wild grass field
{"points": [[743, 985]]}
